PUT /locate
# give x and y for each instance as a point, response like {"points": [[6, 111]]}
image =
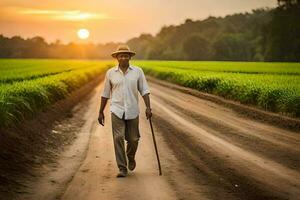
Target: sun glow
{"points": [[83, 33], [65, 15]]}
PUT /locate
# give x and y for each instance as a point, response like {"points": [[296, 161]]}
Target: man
{"points": [[123, 82]]}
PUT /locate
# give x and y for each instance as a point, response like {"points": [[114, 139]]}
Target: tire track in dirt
{"points": [[253, 176], [226, 115], [282, 153]]}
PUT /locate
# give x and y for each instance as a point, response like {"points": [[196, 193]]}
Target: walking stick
{"points": [[155, 147]]}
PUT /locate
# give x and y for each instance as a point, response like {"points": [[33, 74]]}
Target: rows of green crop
{"points": [[234, 67], [13, 70], [22, 99], [273, 92]]}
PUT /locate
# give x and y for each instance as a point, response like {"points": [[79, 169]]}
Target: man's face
{"points": [[123, 58]]}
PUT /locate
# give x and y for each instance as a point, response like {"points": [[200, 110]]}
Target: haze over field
{"points": [[108, 20]]}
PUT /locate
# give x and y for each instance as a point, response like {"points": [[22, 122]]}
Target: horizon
{"points": [[51, 23]]}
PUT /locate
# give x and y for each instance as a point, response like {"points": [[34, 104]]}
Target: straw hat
{"points": [[122, 49]]}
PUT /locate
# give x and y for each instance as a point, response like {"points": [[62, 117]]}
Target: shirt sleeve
{"points": [[142, 84], [107, 86]]}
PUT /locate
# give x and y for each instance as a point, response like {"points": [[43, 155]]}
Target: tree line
{"points": [[37, 47], [261, 35]]}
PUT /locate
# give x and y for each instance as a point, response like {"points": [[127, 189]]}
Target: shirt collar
{"points": [[117, 67]]}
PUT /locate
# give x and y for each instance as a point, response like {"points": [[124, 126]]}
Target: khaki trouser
{"points": [[128, 130]]}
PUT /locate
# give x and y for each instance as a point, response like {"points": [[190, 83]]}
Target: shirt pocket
{"points": [[132, 82]]}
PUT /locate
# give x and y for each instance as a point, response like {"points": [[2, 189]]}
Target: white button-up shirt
{"points": [[123, 89]]}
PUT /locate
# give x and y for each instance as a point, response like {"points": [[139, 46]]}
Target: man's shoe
{"points": [[122, 173], [131, 165]]}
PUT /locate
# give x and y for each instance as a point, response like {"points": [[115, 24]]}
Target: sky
{"points": [[109, 20]]}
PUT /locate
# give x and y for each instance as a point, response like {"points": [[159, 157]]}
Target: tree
{"points": [[196, 47], [281, 35], [232, 47]]}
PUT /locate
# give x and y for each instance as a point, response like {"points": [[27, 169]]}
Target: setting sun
{"points": [[83, 33]]}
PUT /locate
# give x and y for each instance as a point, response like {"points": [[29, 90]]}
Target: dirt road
{"points": [[207, 151]]}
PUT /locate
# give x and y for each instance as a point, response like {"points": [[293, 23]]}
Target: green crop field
{"points": [[269, 86], [26, 86]]}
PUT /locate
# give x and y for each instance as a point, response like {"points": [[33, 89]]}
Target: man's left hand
{"points": [[148, 113]]}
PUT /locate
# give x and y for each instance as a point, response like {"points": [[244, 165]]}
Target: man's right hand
{"points": [[101, 118]]}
